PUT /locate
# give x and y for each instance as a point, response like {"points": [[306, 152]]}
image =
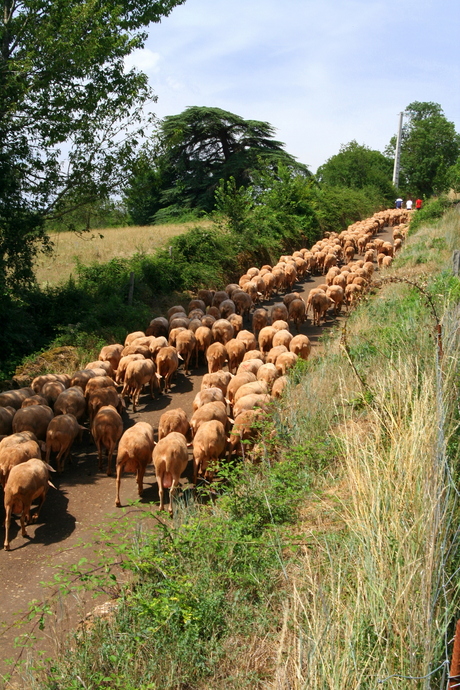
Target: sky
{"points": [[322, 72]]}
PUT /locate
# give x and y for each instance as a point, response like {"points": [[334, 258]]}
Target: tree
{"points": [[357, 166], [65, 92], [202, 145], [429, 147]]}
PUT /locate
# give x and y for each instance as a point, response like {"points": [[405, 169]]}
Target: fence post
{"points": [[131, 289], [454, 675], [456, 262]]}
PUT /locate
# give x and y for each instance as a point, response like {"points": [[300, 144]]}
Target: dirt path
{"points": [[84, 501]]}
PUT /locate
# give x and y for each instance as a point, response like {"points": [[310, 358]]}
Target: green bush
{"points": [[431, 211]]}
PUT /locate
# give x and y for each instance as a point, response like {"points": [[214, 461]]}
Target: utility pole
{"points": [[398, 152]]}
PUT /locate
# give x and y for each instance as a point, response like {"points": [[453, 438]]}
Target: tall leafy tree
{"points": [[65, 93], [357, 166], [429, 147], [204, 145]]}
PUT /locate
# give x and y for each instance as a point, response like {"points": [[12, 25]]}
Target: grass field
{"points": [[102, 245]]}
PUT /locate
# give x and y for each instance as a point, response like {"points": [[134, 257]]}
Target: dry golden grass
{"points": [[103, 245]]}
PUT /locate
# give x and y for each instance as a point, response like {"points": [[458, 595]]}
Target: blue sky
{"points": [[321, 72]]}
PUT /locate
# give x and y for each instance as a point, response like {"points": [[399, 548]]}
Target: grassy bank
{"points": [[331, 563]]}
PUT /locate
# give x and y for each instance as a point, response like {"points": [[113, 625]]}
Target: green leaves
{"points": [[63, 83], [430, 145]]}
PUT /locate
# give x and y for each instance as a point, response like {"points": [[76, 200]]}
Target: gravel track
{"points": [[85, 501]]}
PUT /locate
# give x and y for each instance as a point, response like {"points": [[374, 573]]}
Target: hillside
{"points": [[329, 562]]}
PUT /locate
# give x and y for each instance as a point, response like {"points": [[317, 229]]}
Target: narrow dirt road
{"points": [[83, 502]]}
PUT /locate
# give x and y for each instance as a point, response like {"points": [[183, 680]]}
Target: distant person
{"points": [[399, 202], [409, 204], [418, 204]]}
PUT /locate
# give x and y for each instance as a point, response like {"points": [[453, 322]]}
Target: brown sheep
{"points": [[209, 445], [167, 364], [320, 304], [16, 449], [35, 419], [266, 336], [218, 379], [26, 482], [252, 365], [236, 350], [134, 454], [62, 432], [255, 387], [282, 337], [301, 346], [249, 402], [71, 401], [203, 337], [112, 354], [6, 420], [138, 373], [158, 327], [205, 413], [170, 459], [33, 400], [185, 346], [122, 365], [260, 319], [237, 322], [206, 396], [274, 352], [297, 313], [337, 295], [216, 357], [15, 398], [106, 429], [173, 420], [106, 396], [248, 339], [222, 331], [279, 311], [279, 386], [244, 431], [237, 382], [285, 361]]}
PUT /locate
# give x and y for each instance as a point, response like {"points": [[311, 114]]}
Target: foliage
{"points": [[105, 213], [338, 207], [453, 176], [429, 147], [431, 211], [196, 586], [358, 167], [64, 84], [193, 152]]}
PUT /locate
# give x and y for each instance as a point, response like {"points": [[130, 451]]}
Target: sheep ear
{"points": [[51, 469], [232, 421], [51, 484], [180, 357]]}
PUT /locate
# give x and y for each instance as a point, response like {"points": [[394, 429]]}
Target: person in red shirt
{"points": [[418, 204]]}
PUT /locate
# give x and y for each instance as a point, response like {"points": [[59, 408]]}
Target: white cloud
{"points": [[144, 60]]}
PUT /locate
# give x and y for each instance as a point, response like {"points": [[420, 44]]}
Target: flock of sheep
{"points": [[47, 417]]}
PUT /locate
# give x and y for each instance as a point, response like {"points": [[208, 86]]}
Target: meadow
{"points": [[102, 245]]}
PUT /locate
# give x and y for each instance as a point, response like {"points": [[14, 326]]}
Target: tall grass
{"points": [[374, 594], [102, 245]]}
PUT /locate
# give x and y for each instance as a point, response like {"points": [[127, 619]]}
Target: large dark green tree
{"points": [[429, 147], [65, 93], [201, 146], [357, 166]]}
